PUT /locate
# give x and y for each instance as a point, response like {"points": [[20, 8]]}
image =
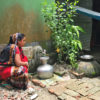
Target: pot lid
{"points": [[86, 57]]}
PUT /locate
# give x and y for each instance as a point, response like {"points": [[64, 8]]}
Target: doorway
{"points": [[95, 40]]}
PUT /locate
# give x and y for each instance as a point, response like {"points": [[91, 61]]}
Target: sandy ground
{"points": [[15, 94]]}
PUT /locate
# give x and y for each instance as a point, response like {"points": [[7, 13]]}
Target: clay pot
{"points": [[88, 66]]}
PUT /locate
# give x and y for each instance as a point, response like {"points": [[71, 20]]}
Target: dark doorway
{"points": [[95, 40]]}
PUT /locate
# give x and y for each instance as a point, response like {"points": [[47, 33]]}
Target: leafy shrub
{"points": [[65, 35]]}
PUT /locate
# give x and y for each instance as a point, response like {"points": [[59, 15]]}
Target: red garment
{"points": [[6, 72]]}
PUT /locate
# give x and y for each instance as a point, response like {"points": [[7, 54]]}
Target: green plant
{"points": [[65, 35]]}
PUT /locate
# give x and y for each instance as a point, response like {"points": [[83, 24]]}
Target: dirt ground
{"points": [[36, 92], [15, 94]]}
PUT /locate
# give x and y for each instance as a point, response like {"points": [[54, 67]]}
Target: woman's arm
{"points": [[18, 61]]}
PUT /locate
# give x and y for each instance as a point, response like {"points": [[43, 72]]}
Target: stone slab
{"points": [[93, 90], [84, 98], [83, 88], [66, 97], [72, 93], [70, 98], [96, 96], [57, 90], [63, 96], [73, 85]]}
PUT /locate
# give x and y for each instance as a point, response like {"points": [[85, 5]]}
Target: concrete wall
{"points": [[86, 23], [22, 16]]}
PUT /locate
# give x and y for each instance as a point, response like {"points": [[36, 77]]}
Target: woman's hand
{"points": [[18, 61], [26, 64]]}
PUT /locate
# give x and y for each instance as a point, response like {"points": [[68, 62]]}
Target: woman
{"points": [[13, 63]]}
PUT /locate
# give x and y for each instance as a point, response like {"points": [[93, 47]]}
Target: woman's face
{"points": [[22, 42]]}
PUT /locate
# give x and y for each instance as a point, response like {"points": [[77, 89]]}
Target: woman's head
{"points": [[18, 39]]}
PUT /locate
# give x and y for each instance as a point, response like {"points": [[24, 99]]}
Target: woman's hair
{"points": [[14, 37], [20, 36]]}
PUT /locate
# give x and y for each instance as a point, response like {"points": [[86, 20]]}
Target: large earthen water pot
{"points": [[88, 66]]}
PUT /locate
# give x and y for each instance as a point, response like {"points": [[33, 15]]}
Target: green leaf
{"points": [[80, 45], [75, 28], [80, 29]]}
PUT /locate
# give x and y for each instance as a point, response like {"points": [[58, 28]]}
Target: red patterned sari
{"points": [[17, 75]]}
